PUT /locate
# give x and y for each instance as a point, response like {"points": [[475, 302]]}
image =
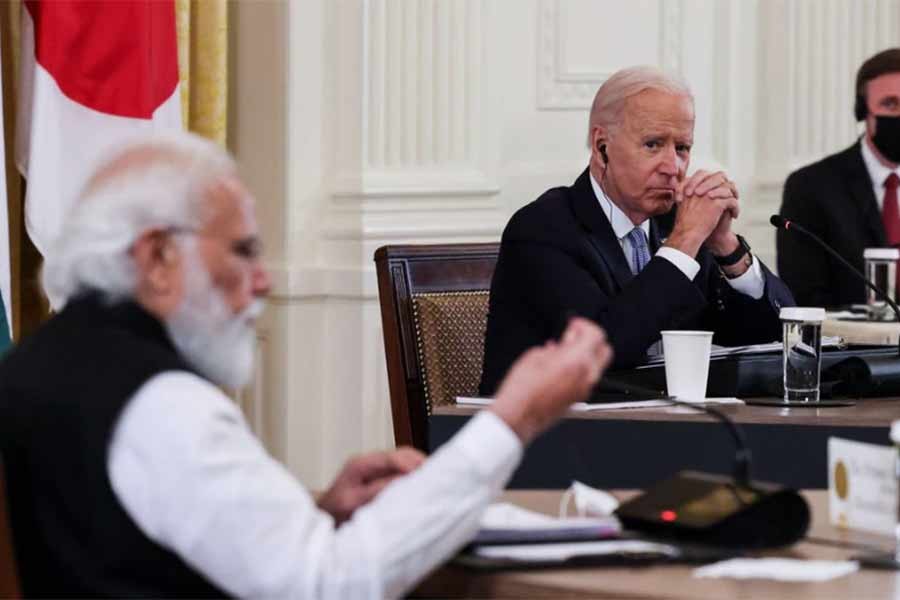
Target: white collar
{"points": [[620, 222], [877, 171]]}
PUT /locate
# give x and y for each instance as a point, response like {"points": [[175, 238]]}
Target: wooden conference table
{"points": [[670, 581], [632, 448]]}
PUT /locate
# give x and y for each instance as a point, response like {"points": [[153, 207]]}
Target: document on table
{"points": [[510, 533], [752, 349], [593, 406], [550, 553], [505, 523]]}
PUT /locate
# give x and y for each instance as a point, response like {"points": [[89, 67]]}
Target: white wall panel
{"points": [[582, 42]]}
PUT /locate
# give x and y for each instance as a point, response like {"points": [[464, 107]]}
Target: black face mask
{"points": [[887, 137]]}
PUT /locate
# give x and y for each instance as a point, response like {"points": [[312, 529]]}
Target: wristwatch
{"points": [[736, 256]]}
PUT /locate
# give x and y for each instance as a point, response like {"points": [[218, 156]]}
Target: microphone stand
{"points": [[885, 560], [742, 457], [787, 225]]}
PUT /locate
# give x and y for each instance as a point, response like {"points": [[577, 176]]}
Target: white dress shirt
{"points": [[194, 479], [750, 282], [877, 172]]}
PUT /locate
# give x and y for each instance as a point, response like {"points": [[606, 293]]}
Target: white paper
{"points": [[722, 351], [561, 552], [588, 500], [629, 404], [503, 515], [778, 569]]}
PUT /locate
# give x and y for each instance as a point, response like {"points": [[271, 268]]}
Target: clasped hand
{"points": [[707, 204]]}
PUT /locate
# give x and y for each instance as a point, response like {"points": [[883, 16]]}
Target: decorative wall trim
{"points": [[820, 76], [431, 231], [422, 75], [415, 182], [306, 283], [671, 25], [252, 399], [416, 129], [559, 89]]}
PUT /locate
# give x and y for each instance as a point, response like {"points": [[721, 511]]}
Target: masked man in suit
{"points": [[596, 248], [849, 199]]}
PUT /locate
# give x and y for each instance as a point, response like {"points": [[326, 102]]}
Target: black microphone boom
{"points": [[746, 514], [742, 451], [787, 225]]}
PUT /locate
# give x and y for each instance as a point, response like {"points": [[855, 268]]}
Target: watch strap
{"points": [[736, 256]]}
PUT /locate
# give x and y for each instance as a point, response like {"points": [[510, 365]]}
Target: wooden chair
{"points": [[9, 578], [434, 301]]}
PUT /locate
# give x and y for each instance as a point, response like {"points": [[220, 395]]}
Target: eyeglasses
{"points": [[249, 248]]}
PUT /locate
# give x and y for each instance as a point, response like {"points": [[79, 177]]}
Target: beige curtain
{"points": [[203, 63], [203, 66], [28, 305]]}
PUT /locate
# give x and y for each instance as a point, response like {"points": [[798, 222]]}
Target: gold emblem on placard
{"points": [[841, 481]]}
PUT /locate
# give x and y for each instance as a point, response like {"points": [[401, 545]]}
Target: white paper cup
{"points": [[686, 356]]}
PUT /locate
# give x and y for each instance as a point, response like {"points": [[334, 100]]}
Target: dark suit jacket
{"points": [[833, 198], [559, 256]]}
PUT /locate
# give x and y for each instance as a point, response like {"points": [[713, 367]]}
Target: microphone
{"points": [[700, 508], [742, 457], [787, 225]]}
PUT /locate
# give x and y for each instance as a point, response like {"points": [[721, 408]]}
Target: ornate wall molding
{"points": [[561, 89], [826, 41], [251, 399], [420, 113]]}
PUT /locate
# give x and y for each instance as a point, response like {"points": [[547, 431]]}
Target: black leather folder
{"points": [[856, 371]]}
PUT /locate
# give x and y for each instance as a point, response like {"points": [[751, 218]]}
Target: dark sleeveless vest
{"points": [[61, 393]]}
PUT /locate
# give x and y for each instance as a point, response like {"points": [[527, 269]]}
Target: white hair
{"points": [[157, 182], [609, 101]]}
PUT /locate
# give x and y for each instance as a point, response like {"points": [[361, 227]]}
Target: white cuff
{"points": [[492, 447], [750, 282], [685, 263]]}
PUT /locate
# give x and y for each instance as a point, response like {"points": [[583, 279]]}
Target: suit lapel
{"points": [[600, 233], [862, 194], [655, 241]]}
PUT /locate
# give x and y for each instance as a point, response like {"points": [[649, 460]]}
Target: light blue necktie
{"points": [[640, 253]]}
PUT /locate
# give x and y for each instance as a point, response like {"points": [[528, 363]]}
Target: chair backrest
{"points": [[9, 577], [434, 301]]}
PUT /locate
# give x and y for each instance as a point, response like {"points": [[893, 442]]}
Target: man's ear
{"points": [[599, 140], [155, 255]]}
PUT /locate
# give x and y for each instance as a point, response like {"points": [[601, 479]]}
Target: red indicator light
{"points": [[668, 515]]}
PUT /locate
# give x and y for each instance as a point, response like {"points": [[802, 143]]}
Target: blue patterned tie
{"points": [[640, 253]]}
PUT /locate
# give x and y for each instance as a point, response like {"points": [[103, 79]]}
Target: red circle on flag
{"points": [[115, 56]]}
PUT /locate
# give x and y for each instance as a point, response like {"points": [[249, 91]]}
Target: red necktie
{"points": [[890, 212]]}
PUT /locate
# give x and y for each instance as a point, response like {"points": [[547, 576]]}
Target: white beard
{"points": [[214, 341]]}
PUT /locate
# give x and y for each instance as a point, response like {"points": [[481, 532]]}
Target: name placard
{"points": [[862, 486]]}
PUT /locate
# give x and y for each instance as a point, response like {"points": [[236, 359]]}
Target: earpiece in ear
{"points": [[602, 149]]}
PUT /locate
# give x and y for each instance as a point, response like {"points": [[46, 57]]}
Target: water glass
{"points": [[881, 270], [802, 353]]}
